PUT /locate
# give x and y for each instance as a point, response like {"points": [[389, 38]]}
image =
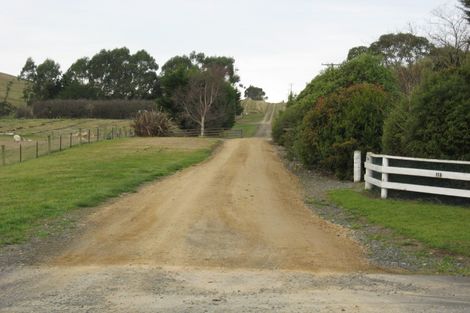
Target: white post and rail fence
{"points": [[429, 176]]}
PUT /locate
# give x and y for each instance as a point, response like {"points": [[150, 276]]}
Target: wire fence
{"points": [[27, 149]]}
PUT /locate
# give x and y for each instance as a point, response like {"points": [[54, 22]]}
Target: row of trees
{"points": [[194, 90], [404, 94]]}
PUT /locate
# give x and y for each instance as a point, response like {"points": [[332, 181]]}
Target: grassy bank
{"points": [[32, 130], [15, 97], [437, 226], [84, 176]]}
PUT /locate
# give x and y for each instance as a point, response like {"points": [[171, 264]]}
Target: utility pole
{"points": [[289, 92]]}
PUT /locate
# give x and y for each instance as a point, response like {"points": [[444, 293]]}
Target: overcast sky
{"points": [[275, 43]]}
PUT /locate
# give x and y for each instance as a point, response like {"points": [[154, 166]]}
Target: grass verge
{"points": [[85, 176], [437, 226]]}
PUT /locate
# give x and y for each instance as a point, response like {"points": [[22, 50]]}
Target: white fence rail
{"points": [[385, 170]]}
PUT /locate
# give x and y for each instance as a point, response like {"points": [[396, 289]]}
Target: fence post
{"points": [[3, 155], [70, 141], [60, 142], [21, 153], [383, 191], [368, 186], [80, 135], [89, 136], [37, 149], [112, 133], [49, 144], [97, 134], [357, 166]]}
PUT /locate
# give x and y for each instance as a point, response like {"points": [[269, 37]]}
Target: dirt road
{"points": [[264, 128], [229, 235], [241, 209]]}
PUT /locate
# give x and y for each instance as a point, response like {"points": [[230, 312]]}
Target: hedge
{"points": [[112, 109]]}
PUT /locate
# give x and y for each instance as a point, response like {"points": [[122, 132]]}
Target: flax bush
{"points": [[152, 124]]}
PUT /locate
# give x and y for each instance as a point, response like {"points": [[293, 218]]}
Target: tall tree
{"points": [[144, 79], [113, 74], [255, 93], [205, 88], [175, 81], [45, 80], [76, 82], [174, 76], [401, 48], [28, 73]]}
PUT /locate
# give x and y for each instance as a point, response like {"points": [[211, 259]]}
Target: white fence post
{"points": [[357, 166], [368, 186], [383, 191]]}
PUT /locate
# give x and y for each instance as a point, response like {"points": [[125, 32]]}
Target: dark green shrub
{"points": [[152, 124], [438, 125], [362, 69], [347, 120]]}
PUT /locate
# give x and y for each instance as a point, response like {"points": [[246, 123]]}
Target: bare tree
{"points": [[451, 34], [202, 93]]}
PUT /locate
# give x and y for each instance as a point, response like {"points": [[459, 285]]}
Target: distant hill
{"points": [[16, 92], [254, 106], [259, 106]]}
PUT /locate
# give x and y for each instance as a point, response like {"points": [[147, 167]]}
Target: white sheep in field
{"points": [[17, 138]]}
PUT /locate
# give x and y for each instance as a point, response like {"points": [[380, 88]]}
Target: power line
{"points": [[331, 65]]}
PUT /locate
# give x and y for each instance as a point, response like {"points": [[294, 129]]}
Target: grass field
{"points": [[48, 187], [437, 226], [33, 130], [15, 96]]}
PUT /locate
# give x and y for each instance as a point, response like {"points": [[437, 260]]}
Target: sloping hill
{"points": [[253, 106], [15, 96]]}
